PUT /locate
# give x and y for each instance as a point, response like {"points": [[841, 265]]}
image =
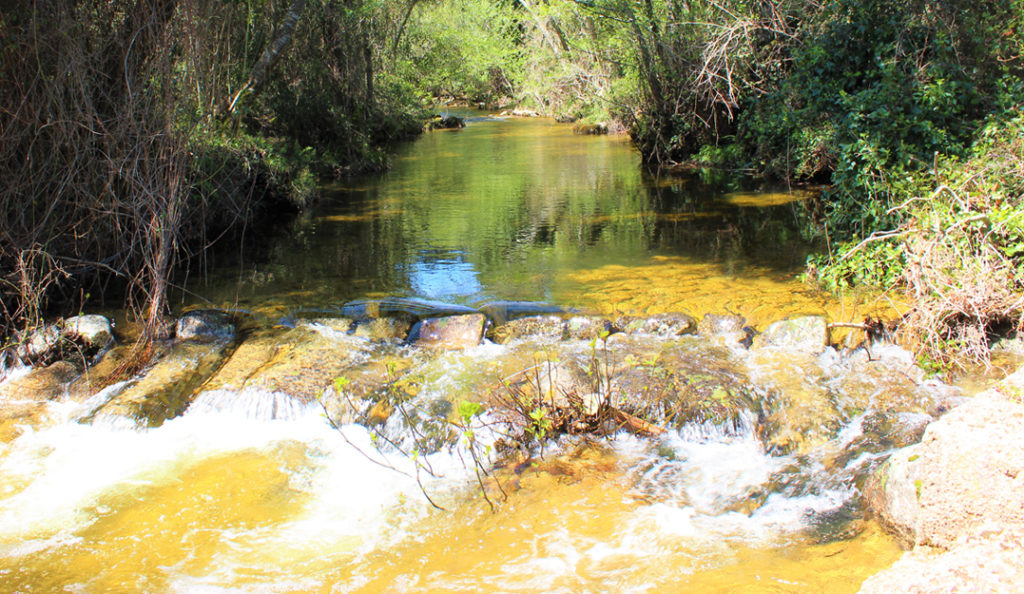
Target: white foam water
{"points": [[54, 477]]}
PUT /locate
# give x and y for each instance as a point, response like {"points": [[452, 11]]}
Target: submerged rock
{"points": [[451, 332], [887, 379], [588, 328], [730, 330], [686, 382], [665, 325], [550, 327], [807, 334], [39, 384], [406, 308], [205, 324], [503, 311], [799, 411], [384, 329]]}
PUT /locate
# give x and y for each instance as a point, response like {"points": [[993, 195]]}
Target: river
{"points": [[224, 498]]}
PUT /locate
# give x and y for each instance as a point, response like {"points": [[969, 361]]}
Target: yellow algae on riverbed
{"points": [[167, 523], [763, 199], [676, 284]]}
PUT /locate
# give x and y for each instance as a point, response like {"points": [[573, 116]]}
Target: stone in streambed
{"points": [[94, 332], [451, 332], [808, 334], [666, 325], [205, 324], [503, 311], [725, 329], [549, 327], [384, 329], [39, 384], [893, 490], [588, 328], [299, 362]]}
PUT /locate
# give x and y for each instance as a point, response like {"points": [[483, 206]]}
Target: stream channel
{"points": [[218, 470]]}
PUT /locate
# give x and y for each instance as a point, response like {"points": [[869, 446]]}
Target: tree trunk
{"points": [[273, 52]]}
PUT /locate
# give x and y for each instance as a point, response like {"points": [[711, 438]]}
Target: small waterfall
{"points": [[11, 368], [85, 411], [743, 426], [255, 404]]}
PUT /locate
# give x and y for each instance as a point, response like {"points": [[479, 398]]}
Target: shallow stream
{"points": [[230, 497]]}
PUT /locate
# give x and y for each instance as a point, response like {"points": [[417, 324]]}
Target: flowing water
{"points": [[229, 498]]}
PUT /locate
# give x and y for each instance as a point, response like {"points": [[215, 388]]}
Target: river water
{"points": [[220, 500], [525, 210]]}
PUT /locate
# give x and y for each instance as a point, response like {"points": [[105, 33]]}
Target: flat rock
{"points": [[40, 384], [300, 362], [165, 389]]}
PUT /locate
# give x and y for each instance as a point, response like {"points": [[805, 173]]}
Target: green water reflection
{"points": [[507, 209]]}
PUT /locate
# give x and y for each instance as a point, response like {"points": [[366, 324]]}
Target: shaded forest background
{"points": [[136, 133]]}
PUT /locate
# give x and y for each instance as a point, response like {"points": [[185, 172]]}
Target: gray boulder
{"points": [[94, 332], [40, 344], [960, 491], [205, 324]]}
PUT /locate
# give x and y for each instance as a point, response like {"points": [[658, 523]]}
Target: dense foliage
{"points": [[132, 133]]}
